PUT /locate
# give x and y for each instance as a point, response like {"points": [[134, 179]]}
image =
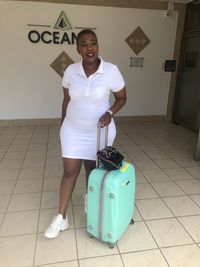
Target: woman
{"points": [[86, 86]]}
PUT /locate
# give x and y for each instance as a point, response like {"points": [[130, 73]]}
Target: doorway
{"points": [[187, 97]]}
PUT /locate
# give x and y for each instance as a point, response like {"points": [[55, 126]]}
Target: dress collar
{"points": [[81, 69]]}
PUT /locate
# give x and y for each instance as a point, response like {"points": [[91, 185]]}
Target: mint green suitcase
{"points": [[110, 202]]}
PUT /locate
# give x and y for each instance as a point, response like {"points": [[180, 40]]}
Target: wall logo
{"points": [[63, 23], [63, 35]]}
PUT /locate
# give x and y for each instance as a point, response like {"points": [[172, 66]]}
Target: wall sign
{"points": [[170, 65], [62, 32]]}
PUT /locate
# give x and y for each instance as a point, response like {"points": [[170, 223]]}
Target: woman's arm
{"points": [[65, 102], [120, 100]]}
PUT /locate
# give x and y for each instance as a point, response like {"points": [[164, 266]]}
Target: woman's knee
{"points": [[71, 169]]}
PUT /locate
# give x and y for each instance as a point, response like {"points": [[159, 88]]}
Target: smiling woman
{"points": [[54, 37], [87, 86]]}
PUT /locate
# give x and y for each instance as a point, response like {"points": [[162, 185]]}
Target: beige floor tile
{"points": [[9, 174], [187, 162], [146, 165], [137, 155], [31, 173], [19, 147], [182, 205], [139, 177], [33, 163], [54, 161], [15, 155], [190, 186], [91, 247], [34, 154], [191, 224], [79, 217], [11, 164], [52, 184], [3, 148], [20, 223], [6, 187], [52, 171], [183, 256], [39, 147], [136, 238], [179, 174], [149, 147], [17, 251], [144, 191], [80, 183], [62, 248], [150, 258], [157, 154], [156, 175], [196, 198], [168, 232], [167, 163], [26, 186], [107, 261], [195, 171], [22, 202], [78, 196], [4, 200], [153, 209], [47, 215], [1, 218], [62, 264], [136, 216], [168, 188], [50, 200]]}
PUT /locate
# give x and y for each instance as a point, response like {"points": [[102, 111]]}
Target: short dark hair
{"points": [[83, 32]]}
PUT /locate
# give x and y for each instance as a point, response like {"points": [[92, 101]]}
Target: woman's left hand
{"points": [[105, 119]]}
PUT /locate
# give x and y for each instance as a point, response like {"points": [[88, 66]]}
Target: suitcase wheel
{"points": [[111, 245], [132, 221], [90, 235]]}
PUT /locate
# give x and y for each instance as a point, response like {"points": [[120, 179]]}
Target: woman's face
{"points": [[88, 48]]}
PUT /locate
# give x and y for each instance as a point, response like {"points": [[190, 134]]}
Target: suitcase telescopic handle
{"points": [[99, 128]]}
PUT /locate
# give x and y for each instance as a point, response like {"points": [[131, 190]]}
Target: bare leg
{"points": [[89, 166], [71, 171]]}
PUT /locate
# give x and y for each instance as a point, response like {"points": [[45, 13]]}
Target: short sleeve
{"points": [[117, 81], [66, 78]]}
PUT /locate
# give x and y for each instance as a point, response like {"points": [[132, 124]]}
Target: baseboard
{"points": [[56, 121]]}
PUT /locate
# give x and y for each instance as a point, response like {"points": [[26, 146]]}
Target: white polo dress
{"points": [[89, 100]]}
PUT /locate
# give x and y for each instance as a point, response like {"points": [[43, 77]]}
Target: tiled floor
{"points": [[167, 215]]}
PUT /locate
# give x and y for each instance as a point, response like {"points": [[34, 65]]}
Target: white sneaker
{"points": [[85, 203], [58, 224]]}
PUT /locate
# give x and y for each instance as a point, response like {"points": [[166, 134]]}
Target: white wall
{"points": [[30, 88]]}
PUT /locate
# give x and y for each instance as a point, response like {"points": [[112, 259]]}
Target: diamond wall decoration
{"points": [[137, 40], [61, 63]]}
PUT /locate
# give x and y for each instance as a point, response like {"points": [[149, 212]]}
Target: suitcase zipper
{"points": [[101, 204]]}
